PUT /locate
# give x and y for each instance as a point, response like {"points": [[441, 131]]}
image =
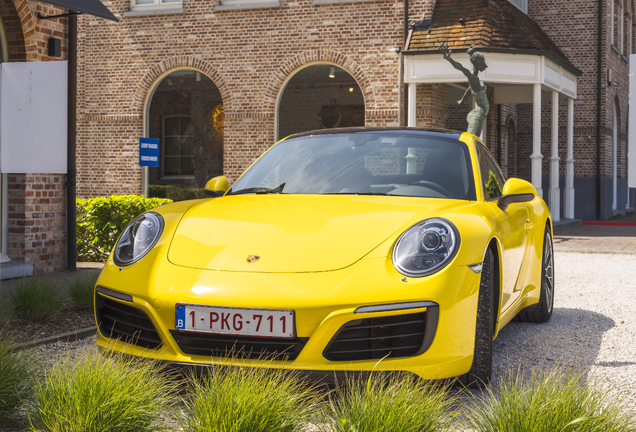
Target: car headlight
{"points": [[138, 238], [426, 247]]}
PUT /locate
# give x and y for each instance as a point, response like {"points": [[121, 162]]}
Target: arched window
{"points": [[319, 96], [185, 111]]}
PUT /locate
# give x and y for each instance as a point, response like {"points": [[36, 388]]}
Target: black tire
{"points": [[481, 369], [542, 311]]}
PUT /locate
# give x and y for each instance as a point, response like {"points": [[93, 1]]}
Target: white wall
{"points": [[33, 117]]}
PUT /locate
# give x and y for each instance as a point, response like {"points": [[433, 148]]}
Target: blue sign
{"points": [[149, 152]]}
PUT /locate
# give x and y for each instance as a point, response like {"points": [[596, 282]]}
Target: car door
{"points": [[513, 222]]}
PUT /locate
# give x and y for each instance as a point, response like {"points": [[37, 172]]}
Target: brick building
{"points": [[33, 135], [33, 205], [219, 81]]}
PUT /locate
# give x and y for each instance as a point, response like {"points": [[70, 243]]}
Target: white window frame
{"points": [[522, 5], [245, 4], [154, 4], [163, 148]]}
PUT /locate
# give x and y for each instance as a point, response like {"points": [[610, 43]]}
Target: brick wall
{"points": [[37, 221], [248, 54], [578, 40]]}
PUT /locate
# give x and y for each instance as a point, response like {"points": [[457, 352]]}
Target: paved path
{"points": [[597, 239]]}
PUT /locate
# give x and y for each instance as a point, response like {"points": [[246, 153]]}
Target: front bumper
{"points": [[331, 336]]}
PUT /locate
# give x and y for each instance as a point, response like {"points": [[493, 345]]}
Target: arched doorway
{"points": [[319, 96], [185, 112]]}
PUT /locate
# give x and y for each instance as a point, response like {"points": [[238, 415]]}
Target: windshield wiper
{"points": [[260, 190], [356, 193]]}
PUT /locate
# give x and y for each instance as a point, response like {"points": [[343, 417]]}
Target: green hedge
{"points": [[175, 193], [101, 220]]}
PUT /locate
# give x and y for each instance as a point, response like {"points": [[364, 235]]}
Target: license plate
{"points": [[277, 323]]}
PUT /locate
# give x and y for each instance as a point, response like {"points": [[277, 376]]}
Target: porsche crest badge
{"points": [[253, 258]]}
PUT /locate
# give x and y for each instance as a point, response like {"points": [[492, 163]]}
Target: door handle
{"points": [[528, 224]]}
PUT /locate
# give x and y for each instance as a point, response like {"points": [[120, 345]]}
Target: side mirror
{"points": [[216, 187], [516, 191]]}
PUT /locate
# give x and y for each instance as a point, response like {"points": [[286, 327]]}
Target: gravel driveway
{"points": [[593, 324]]}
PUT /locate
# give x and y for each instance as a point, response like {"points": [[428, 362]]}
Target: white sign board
{"points": [[33, 117], [631, 145]]}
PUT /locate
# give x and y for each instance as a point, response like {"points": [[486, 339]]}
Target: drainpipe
{"points": [[71, 216], [599, 87], [405, 35]]}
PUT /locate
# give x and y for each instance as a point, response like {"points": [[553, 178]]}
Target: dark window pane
{"points": [[187, 166], [171, 126], [171, 148], [171, 166]]}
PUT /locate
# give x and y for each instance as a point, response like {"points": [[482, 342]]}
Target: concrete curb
{"points": [[64, 337]]}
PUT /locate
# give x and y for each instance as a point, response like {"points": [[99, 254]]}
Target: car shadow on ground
{"points": [[572, 337]]}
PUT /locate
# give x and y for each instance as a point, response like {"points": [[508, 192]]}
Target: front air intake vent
{"points": [[126, 323], [214, 345], [383, 337]]}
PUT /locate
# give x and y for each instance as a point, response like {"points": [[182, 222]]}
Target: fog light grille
{"points": [[126, 323]]}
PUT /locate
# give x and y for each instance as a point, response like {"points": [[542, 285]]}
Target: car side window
{"points": [[492, 178]]}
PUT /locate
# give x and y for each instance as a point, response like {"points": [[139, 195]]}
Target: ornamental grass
{"points": [[93, 392], [82, 288], [36, 298], [554, 401], [246, 399], [17, 378], [393, 403]]}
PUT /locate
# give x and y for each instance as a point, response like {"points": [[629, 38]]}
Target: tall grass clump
{"points": [[394, 403], [35, 298], [6, 312], [81, 289], [555, 401], [241, 399], [91, 393], [17, 377]]}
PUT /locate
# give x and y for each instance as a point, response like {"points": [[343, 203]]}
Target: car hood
{"points": [[292, 233]]}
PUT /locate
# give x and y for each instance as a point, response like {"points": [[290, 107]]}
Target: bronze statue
{"points": [[477, 116]]}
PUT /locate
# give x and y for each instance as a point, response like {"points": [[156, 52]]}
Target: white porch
{"points": [[516, 79]]}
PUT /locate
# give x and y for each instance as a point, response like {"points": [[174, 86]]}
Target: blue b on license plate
{"points": [[277, 323]]}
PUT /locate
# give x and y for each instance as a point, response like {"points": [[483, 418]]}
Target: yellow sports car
{"points": [[337, 251]]}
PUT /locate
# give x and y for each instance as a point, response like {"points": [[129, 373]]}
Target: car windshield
{"points": [[363, 163]]}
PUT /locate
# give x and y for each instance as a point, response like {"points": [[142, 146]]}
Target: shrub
{"points": [[16, 381], [240, 399], [101, 393], [385, 404], [35, 298], [81, 289], [175, 193], [101, 220], [545, 402]]}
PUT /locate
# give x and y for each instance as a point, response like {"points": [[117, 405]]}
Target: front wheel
{"points": [[481, 369], [542, 311]]}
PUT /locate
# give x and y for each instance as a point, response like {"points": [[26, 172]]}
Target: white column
{"points": [[555, 192], [569, 164], [536, 155], [412, 120]]}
